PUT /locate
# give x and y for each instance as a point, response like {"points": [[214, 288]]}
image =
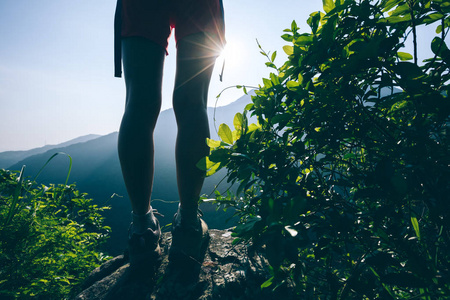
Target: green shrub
{"points": [[49, 238], [345, 177]]}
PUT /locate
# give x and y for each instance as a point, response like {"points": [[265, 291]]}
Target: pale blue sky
{"points": [[56, 64]]}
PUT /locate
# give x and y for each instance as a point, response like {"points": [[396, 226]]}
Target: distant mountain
{"points": [[8, 158], [96, 171]]}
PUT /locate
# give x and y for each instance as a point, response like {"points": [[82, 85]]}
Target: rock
{"points": [[227, 272]]}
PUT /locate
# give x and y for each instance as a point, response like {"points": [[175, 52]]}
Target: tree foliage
{"points": [[344, 178], [49, 238]]}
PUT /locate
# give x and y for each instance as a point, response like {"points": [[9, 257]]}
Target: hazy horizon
{"points": [[56, 64]]}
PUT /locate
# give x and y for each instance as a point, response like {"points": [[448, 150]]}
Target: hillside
{"points": [[9, 158], [96, 171]]}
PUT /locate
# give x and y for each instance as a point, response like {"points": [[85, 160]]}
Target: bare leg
{"points": [[143, 62], [195, 62]]}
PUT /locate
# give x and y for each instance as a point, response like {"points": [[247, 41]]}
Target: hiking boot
{"points": [[190, 240], [143, 249]]}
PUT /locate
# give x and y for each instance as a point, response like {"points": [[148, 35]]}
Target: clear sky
{"points": [[56, 64]]}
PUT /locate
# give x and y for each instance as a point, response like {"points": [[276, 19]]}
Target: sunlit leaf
{"points": [[212, 170], [402, 9], [212, 143], [292, 85], [294, 26], [225, 133], [390, 4], [274, 55], [328, 5], [304, 40], [252, 127], [415, 224], [287, 37], [289, 50], [238, 121], [398, 19], [404, 56], [432, 18], [205, 164], [267, 283]]}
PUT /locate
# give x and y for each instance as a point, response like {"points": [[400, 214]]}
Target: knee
{"points": [[189, 103], [142, 99]]}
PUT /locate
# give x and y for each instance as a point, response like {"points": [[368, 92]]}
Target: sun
{"points": [[233, 54]]}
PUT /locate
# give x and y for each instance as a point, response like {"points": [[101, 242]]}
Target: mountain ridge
{"points": [[96, 171], [8, 158]]}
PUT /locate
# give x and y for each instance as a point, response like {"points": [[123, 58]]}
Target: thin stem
{"points": [[413, 24]]}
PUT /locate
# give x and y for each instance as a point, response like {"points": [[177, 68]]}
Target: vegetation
{"points": [[344, 178], [49, 238]]}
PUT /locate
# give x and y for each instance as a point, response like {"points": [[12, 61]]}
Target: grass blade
{"points": [[53, 156], [15, 200]]}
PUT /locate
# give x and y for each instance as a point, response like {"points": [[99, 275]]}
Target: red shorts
{"points": [[155, 19]]}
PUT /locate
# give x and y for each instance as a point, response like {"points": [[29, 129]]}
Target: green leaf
{"points": [[314, 20], [294, 26], [267, 283], [303, 40], [206, 164], [398, 19], [236, 241], [274, 78], [281, 119], [48, 161], [286, 37], [292, 85], [244, 228], [404, 56], [289, 50], [390, 4], [432, 18], [238, 121], [236, 134], [439, 48], [16, 196], [267, 82], [212, 170], [328, 5], [212, 143], [219, 155], [415, 224], [408, 70], [401, 10], [225, 133], [274, 55], [252, 127], [436, 45]]}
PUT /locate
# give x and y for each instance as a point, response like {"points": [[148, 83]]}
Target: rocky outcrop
{"points": [[227, 272]]}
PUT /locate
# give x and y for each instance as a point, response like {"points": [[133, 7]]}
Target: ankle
{"points": [[141, 222], [188, 214]]}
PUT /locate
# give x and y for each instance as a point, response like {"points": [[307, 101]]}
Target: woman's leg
{"points": [[143, 62], [196, 56]]}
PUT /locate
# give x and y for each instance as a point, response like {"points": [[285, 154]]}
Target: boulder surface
{"points": [[227, 272]]}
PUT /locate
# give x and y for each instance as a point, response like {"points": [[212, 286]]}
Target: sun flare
{"points": [[233, 54]]}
